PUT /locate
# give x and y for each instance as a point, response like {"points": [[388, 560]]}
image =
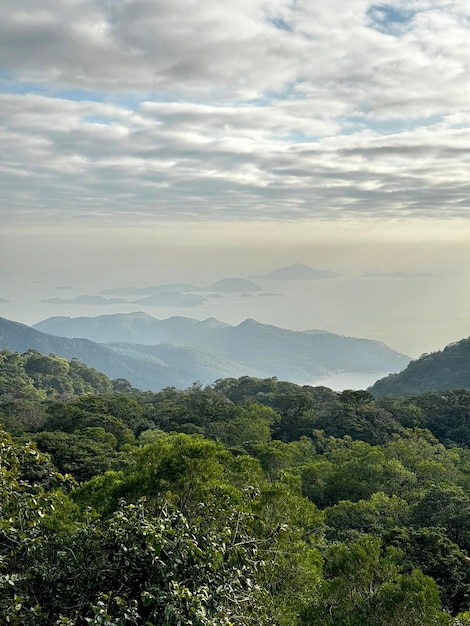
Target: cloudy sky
{"points": [[245, 134]]}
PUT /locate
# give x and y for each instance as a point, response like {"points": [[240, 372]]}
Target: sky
{"points": [[149, 140]]}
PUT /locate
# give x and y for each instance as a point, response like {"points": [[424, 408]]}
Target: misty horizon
{"points": [[391, 308]]}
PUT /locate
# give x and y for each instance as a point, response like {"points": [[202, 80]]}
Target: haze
{"points": [[413, 294], [149, 142]]}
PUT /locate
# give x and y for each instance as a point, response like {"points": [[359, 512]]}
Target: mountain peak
{"points": [[298, 271]]}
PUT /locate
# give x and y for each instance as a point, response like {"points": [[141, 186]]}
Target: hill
{"points": [[446, 369], [138, 327], [298, 356], [163, 367], [298, 271], [34, 377], [233, 285], [98, 300], [150, 291]]}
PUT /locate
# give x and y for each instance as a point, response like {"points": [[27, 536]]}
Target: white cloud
{"points": [[247, 109]]}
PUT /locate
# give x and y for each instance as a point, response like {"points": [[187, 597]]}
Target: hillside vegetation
{"points": [[250, 501], [446, 369]]}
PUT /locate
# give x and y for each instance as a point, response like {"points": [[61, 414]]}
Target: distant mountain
{"points": [[229, 285], [135, 327], [20, 338], [446, 369], [301, 356], [98, 300], [291, 355], [191, 363], [298, 271], [145, 368], [150, 291], [172, 299], [3, 300], [233, 285]]}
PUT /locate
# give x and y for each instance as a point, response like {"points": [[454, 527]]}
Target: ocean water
{"points": [[349, 380]]}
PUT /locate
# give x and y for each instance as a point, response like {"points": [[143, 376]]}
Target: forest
{"points": [[249, 501]]}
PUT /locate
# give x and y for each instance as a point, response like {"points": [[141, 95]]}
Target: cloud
{"points": [[252, 109], [175, 160], [236, 50]]}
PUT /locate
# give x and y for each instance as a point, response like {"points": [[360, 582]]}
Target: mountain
{"points": [[150, 291], [147, 369], [98, 300], [291, 355], [194, 364], [299, 356], [298, 271], [446, 369], [233, 285], [136, 327]]}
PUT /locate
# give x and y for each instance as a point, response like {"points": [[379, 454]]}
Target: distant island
{"points": [[233, 285], [93, 300], [150, 291], [298, 271]]}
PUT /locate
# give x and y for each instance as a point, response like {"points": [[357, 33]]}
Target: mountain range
{"points": [[178, 351], [249, 348], [145, 367]]}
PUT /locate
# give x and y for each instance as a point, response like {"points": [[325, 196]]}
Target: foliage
{"points": [[248, 501], [431, 550], [151, 567], [364, 585], [439, 371], [27, 494]]}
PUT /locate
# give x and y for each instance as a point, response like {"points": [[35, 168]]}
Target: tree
{"points": [[375, 516], [447, 507], [83, 453], [251, 427], [27, 491], [430, 550], [355, 473], [150, 566], [363, 585]]}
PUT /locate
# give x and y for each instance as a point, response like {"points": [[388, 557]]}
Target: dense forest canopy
{"points": [[247, 501]]}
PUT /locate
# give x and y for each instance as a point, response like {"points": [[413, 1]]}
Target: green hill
{"points": [[446, 369], [36, 376]]}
